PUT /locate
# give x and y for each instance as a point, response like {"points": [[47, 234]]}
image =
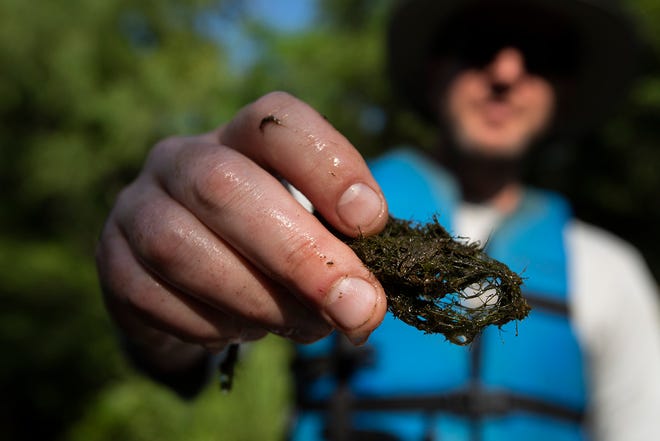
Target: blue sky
{"points": [[286, 15], [283, 15]]}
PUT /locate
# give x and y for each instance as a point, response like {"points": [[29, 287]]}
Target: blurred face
{"points": [[498, 109]]}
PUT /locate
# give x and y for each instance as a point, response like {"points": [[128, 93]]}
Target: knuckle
{"points": [[140, 301], [218, 184], [299, 253], [164, 251], [124, 199], [162, 149], [166, 146], [209, 184], [169, 157], [158, 237]]}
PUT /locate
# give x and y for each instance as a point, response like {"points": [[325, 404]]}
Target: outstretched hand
{"points": [[207, 247]]}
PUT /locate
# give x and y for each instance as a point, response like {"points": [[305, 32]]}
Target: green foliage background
{"points": [[87, 86]]}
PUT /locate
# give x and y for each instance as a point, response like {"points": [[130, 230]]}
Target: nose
{"points": [[507, 66]]}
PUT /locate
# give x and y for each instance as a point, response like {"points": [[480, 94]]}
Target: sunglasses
{"points": [[543, 55], [549, 46]]}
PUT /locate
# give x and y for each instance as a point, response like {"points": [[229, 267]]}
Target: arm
{"points": [[618, 319], [207, 248]]}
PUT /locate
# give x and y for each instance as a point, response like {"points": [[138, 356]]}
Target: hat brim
{"points": [[608, 57]]}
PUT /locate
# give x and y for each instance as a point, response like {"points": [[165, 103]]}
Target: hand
{"points": [[208, 247]]}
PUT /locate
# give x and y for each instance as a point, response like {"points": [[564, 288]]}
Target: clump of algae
{"points": [[438, 284]]}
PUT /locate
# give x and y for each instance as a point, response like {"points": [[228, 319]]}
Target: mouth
{"points": [[496, 112]]}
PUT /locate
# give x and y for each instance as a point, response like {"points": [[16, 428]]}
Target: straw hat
{"points": [[602, 39]]}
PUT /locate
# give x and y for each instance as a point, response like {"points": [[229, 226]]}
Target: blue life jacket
{"points": [[522, 382]]}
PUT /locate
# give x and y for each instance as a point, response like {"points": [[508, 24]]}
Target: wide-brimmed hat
{"points": [[604, 37]]}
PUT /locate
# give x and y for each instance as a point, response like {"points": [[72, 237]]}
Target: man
{"points": [[207, 248]]}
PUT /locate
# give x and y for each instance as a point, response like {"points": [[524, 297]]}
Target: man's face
{"points": [[500, 108]]}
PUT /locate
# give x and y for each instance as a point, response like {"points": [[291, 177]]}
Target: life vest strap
{"points": [[472, 402], [539, 301]]}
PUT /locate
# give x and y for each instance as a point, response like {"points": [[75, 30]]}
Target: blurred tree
{"points": [[87, 86]]}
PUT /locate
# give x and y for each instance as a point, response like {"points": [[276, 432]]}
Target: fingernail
{"points": [[359, 206], [351, 303]]}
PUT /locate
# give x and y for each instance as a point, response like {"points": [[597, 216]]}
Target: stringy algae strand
{"points": [[438, 284]]}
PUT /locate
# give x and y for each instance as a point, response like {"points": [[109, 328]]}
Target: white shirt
{"points": [[615, 309]]}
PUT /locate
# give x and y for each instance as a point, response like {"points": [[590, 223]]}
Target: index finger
{"points": [[293, 141]]}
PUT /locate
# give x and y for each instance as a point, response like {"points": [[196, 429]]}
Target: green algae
{"points": [[441, 284]]}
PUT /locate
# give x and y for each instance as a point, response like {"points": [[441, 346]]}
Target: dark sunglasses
{"points": [[549, 45], [545, 55]]}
